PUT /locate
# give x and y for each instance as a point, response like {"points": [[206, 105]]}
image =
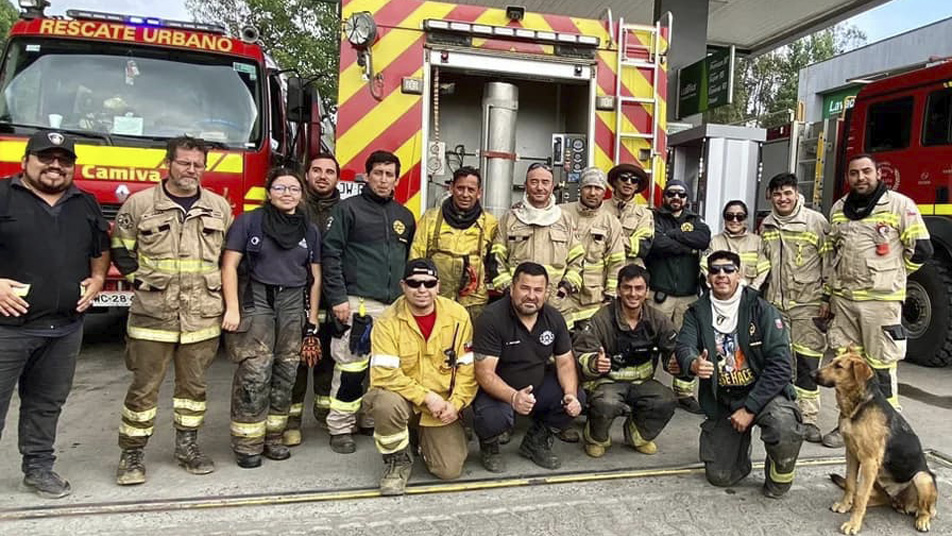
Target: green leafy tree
{"points": [[8, 15], [303, 35]]}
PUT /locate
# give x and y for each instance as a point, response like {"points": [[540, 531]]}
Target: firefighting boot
{"points": [[320, 414], [397, 467], [594, 447], [537, 446], [189, 455], [275, 449], [292, 436], [634, 440], [489, 455], [343, 444], [131, 468]]}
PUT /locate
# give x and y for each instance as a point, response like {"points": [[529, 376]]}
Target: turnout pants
{"points": [[148, 362], [350, 373], [42, 369], [874, 329], [492, 417], [726, 452], [674, 308], [647, 406], [808, 344], [267, 349], [443, 448], [323, 373]]}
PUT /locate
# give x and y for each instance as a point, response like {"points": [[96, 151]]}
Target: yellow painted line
{"points": [[231, 163], [594, 28], [943, 210], [256, 193], [356, 6]]}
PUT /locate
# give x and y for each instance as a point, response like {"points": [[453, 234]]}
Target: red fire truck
{"points": [[124, 85]]}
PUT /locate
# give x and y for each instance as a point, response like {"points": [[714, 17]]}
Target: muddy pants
{"points": [[874, 328], [808, 344], [674, 308], [267, 349], [443, 448], [726, 452], [148, 362], [647, 406], [323, 373]]}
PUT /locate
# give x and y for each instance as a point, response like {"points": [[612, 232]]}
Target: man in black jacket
{"points": [[365, 251], [674, 265], [738, 345]]}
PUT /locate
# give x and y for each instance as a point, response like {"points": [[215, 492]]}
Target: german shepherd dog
{"points": [[884, 459]]}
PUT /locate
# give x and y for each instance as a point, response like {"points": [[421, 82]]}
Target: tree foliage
{"points": [[765, 87], [8, 15], [303, 35]]}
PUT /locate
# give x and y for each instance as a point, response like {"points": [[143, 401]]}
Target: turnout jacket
{"points": [[602, 239], [761, 335], [675, 253], [797, 251], [638, 224], [403, 362], [365, 248]]}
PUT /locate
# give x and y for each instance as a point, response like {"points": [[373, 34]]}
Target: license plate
{"points": [[113, 299]]}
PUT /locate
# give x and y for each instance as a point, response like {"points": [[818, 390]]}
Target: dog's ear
{"points": [[862, 372]]}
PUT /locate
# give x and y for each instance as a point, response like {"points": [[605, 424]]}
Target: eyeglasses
{"points": [[415, 283], [735, 217], [281, 189], [629, 178], [186, 164], [63, 159], [537, 165], [682, 195], [722, 269]]}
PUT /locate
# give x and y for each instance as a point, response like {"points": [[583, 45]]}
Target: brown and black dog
{"points": [[884, 459]]}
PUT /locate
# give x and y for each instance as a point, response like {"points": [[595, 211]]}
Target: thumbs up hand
{"points": [[523, 400], [602, 364], [702, 367]]}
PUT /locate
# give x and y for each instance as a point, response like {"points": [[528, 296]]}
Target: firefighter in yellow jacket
{"points": [[878, 238], [421, 377], [537, 230], [602, 238], [456, 236], [167, 241], [739, 239], [627, 181]]}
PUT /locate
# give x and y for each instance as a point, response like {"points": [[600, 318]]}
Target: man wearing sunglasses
{"points": [[637, 221], [738, 238], [737, 344], [674, 264], [421, 377], [54, 253]]}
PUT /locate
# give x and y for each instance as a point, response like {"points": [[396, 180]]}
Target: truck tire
{"points": [[927, 313]]}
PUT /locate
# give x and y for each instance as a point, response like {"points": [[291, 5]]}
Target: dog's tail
{"points": [[839, 480]]}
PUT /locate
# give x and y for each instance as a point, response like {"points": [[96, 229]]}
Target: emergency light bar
{"points": [[81, 14], [483, 30]]}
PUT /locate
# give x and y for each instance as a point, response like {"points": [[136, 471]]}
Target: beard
{"points": [[47, 187]]}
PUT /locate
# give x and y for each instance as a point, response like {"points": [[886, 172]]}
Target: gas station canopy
{"points": [[753, 26]]}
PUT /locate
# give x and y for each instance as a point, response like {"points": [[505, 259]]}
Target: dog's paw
{"points": [[841, 507], [851, 527], [923, 523]]}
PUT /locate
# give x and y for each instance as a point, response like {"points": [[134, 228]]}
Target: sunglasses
{"points": [[682, 195], [629, 178], [735, 217], [537, 165], [722, 269], [416, 283], [46, 158]]}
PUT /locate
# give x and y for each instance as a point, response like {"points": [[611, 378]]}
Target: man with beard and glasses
{"points": [[54, 254], [457, 236], [168, 241]]}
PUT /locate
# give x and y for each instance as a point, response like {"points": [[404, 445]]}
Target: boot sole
{"points": [[529, 456], [45, 494], [130, 480], [195, 471]]}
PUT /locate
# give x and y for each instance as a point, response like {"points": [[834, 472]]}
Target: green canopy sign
{"points": [[837, 102], [706, 84]]}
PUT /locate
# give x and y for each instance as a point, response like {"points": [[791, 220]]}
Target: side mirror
{"points": [[299, 101]]}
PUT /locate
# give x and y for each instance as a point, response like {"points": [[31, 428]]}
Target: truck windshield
{"points": [[131, 91]]}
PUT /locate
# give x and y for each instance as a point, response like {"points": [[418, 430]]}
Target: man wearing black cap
{"points": [[54, 253], [674, 265], [627, 181], [421, 376]]}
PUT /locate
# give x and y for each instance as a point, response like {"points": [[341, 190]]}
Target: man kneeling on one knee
{"points": [[737, 344], [618, 353], [421, 376]]}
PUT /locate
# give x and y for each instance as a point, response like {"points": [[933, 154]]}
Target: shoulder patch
{"points": [[687, 227], [779, 323], [124, 221], [399, 227]]}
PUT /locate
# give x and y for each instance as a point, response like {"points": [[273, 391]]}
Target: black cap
{"points": [[629, 169], [419, 267], [44, 140]]}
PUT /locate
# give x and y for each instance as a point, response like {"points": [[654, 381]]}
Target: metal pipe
{"points": [[498, 151]]}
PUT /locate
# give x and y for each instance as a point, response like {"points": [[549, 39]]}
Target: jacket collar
{"points": [[164, 202]]}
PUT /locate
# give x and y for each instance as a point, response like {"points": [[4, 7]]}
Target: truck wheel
{"points": [[926, 314]]}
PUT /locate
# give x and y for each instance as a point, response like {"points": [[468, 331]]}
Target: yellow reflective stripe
{"points": [[345, 407], [749, 256], [138, 416], [248, 429], [276, 423], [878, 364], [190, 421], [634, 245], [879, 217], [806, 350], [178, 266], [597, 266], [189, 404], [777, 476], [201, 335], [156, 335], [585, 314], [132, 431], [466, 359], [865, 295], [807, 394], [388, 444], [911, 266], [119, 242], [502, 281], [385, 361], [618, 256], [639, 372], [356, 366], [296, 410], [499, 249], [915, 231], [575, 253], [643, 232], [573, 278], [611, 283], [322, 402], [763, 266], [681, 386]]}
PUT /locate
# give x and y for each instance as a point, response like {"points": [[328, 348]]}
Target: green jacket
{"points": [[762, 336]]}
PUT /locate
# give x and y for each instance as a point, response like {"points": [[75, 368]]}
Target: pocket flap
{"points": [[212, 224]]}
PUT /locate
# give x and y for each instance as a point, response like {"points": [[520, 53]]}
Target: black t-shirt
{"points": [[274, 265], [184, 202], [523, 355]]}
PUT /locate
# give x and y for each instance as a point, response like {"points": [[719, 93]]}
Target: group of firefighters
{"points": [[395, 321]]}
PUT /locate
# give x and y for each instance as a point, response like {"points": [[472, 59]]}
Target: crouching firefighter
{"points": [[738, 345], [269, 255], [619, 351], [421, 377]]}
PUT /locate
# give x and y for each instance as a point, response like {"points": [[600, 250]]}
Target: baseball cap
{"points": [[593, 177], [419, 267], [44, 140]]}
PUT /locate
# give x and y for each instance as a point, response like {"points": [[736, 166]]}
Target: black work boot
{"points": [[537, 446], [189, 455], [343, 444], [248, 461], [690, 405], [46, 483], [275, 449], [489, 455], [397, 467], [131, 468]]}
